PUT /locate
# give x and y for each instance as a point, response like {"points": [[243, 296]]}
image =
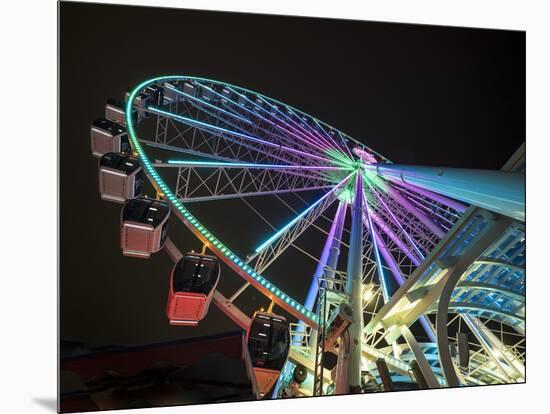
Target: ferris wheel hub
{"points": [[365, 156]]}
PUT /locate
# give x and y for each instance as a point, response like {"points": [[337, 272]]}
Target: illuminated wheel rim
{"points": [[215, 244]]}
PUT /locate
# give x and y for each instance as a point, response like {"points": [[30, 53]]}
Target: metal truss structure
{"points": [[197, 184], [430, 261]]}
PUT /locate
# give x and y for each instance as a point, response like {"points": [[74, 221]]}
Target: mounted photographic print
{"points": [[258, 207]]}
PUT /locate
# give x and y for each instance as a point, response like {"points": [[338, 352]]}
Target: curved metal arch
{"points": [[490, 287], [466, 305], [494, 229], [491, 261]]}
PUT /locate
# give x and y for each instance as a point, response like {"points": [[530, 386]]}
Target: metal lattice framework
{"points": [[427, 256], [199, 184]]}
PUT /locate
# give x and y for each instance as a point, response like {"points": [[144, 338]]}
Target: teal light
{"points": [[298, 217], [292, 222]]}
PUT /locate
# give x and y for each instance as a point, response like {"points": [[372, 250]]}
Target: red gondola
{"points": [[192, 283]]}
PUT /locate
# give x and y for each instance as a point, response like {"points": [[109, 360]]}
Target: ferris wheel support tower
{"points": [[354, 288]]}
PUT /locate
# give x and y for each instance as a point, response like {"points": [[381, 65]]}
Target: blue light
{"points": [[302, 214], [293, 221], [204, 124], [193, 122], [378, 260]]}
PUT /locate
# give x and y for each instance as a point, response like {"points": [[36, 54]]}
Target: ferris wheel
{"points": [[382, 241]]}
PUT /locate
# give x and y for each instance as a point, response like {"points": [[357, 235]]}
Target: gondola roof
{"points": [[145, 210], [119, 162]]}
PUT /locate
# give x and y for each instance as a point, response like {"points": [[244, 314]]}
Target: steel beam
{"points": [[505, 361], [354, 288], [224, 304], [394, 268], [421, 360], [498, 191], [329, 255], [454, 273], [446, 201], [420, 216], [423, 364], [273, 247]]}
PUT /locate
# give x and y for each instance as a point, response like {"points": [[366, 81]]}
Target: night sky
{"points": [[417, 94]]}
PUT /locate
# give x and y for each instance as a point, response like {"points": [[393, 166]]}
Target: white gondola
{"points": [[143, 227], [114, 111], [108, 136], [120, 177]]}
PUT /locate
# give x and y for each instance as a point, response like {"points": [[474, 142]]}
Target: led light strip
{"points": [[220, 164], [300, 216], [205, 125], [303, 313]]}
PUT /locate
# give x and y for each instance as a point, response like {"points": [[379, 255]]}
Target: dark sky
{"points": [[417, 94]]}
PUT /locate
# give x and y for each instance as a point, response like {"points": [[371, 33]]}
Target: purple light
{"points": [[404, 248], [394, 269], [316, 143], [306, 131], [434, 228], [193, 122], [416, 261], [328, 258], [381, 274], [449, 202], [318, 139], [334, 236]]}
